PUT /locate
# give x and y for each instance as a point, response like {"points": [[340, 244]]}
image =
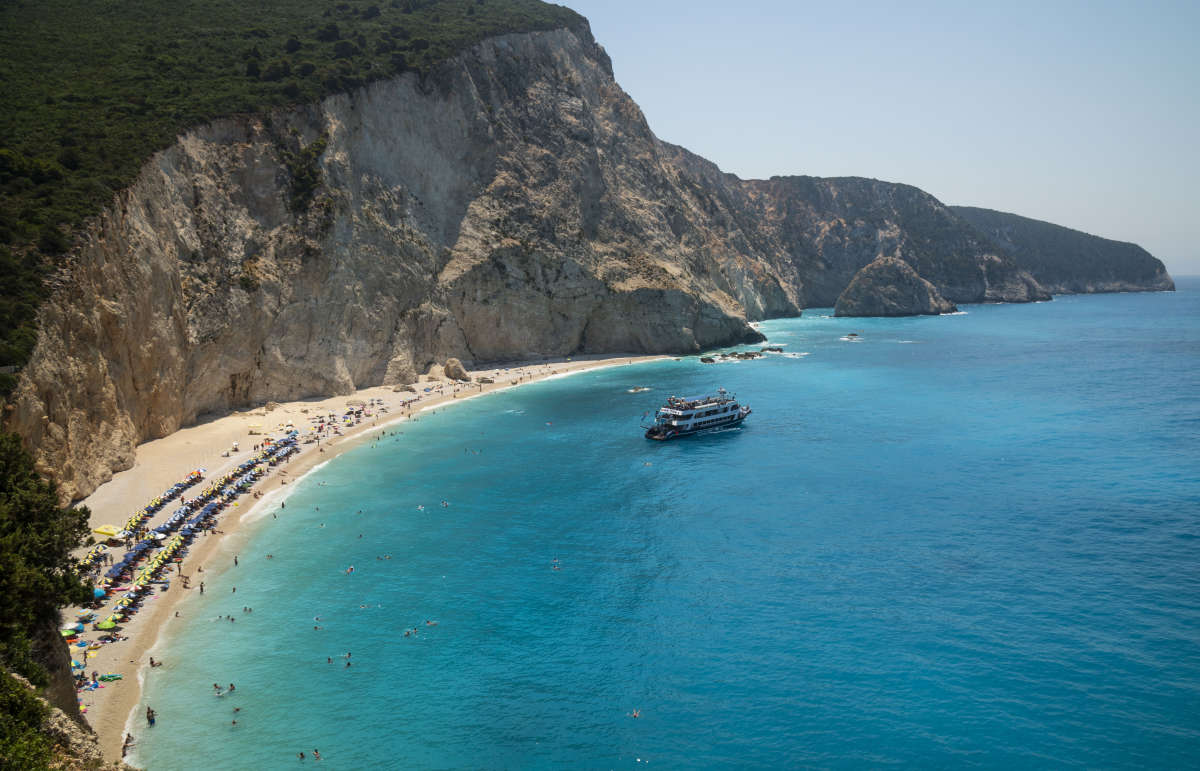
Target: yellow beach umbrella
{"points": [[109, 530]]}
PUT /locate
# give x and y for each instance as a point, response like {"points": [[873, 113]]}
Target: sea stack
{"points": [[890, 287]]}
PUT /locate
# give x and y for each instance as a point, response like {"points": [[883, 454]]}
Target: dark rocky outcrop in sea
{"points": [[890, 287]]}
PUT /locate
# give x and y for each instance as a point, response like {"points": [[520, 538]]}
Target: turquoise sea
{"points": [[970, 540]]}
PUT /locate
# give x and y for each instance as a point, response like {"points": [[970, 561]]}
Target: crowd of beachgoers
{"points": [[140, 561], [151, 553]]}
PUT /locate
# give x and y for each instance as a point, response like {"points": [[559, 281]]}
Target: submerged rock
{"points": [[890, 287]]}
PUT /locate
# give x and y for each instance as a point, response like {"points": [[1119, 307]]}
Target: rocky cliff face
{"points": [[819, 232], [890, 287], [75, 745], [47, 648], [1067, 261], [513, 203]]}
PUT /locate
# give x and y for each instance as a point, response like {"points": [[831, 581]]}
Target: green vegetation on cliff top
{"points": [[89, 89], [37, 577]]}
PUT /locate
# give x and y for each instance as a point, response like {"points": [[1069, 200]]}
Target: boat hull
{"points": [[663, 433]]}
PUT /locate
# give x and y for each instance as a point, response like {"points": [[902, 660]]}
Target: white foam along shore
{"points": [[114, 711]]}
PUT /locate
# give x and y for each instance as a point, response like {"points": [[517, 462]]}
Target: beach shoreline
{"points": [[112, 709]]}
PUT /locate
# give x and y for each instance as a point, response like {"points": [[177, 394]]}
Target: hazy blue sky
{"points": [[1083, 114]]}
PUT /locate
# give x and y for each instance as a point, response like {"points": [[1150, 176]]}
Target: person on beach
{"points": [[150, 716], [231, 689], [202, 587], [316, 754], [217, 688]]}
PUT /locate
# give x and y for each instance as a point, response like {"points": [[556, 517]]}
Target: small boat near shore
{"points": [[682, 416]]}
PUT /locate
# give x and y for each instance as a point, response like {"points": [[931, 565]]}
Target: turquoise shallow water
{"points": [[963, 541]]}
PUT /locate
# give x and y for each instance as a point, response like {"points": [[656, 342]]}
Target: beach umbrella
{"points": [[107, 623], [98, 592], [109, 530]]}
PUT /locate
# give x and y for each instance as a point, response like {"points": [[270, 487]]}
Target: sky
{"points": [[1082, 114]]}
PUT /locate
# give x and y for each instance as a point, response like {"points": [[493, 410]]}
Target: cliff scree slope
{"points": [[511, 202]]}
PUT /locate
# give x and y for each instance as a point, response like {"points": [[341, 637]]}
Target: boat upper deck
{"points": [[677, 405]]}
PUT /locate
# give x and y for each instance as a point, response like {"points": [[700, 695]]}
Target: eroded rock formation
{"points": [[890, 287]]}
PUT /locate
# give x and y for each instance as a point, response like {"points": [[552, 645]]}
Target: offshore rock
{"points": [[890, 287]]}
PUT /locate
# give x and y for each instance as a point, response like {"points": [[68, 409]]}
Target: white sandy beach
{"points": [[163, 462]]}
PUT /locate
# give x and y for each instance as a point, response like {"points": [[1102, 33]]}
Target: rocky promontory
{"points": [[511, 203], [890, 287], [1067, 261]]}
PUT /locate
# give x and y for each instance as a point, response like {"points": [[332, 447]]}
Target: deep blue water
{"points": [[969, 540]]}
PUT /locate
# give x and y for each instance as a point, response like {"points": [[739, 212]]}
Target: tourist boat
{"points": [[680, 416]]}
